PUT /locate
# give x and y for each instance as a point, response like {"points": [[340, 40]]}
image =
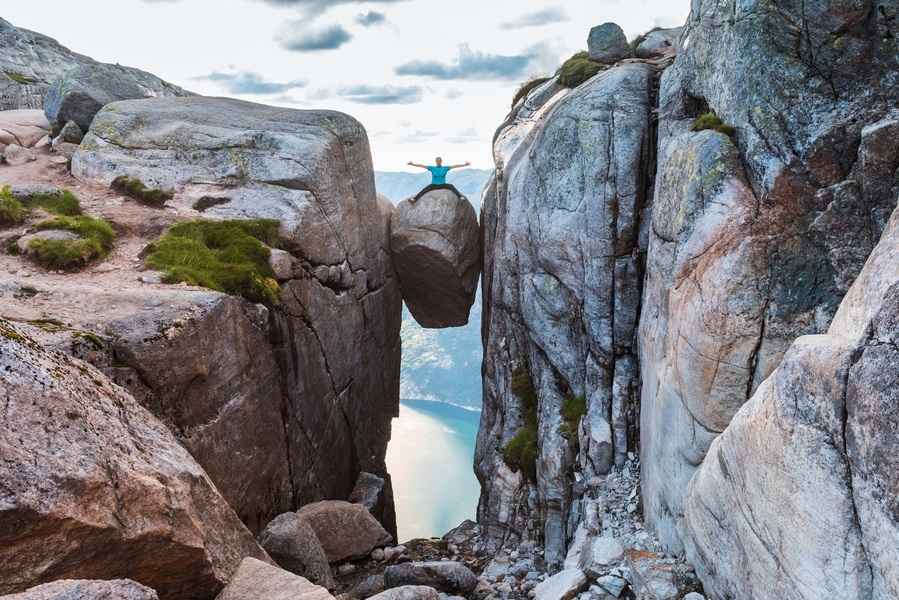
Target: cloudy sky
{"points": [[425, 77]]}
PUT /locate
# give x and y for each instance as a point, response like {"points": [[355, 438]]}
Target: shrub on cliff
{"points": [[520, 453], [573, 409], [712, 121], [526, 88], [12, 212], [227, 256], [135, 189], [95, 241], [578, 69]]}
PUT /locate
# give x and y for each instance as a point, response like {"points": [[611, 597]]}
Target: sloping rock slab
{"points": [[256, 580], [22, 127], [80, 94], [447, 576], [436, 249], [119, 589], [292, 543], [93, 486], [345, 530]]}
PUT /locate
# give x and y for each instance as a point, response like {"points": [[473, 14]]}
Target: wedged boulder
{"points": [[608, 44], [408, 592], [436, 248], [256, 580], [376, 493], [22, 127], [659, 43], [797, 499], [73, 589], [323, 366], [94, 486], [445, 575], [80, 93], [292, 543], [346, 531]]}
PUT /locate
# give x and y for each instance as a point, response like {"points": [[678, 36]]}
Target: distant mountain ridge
{"points": [[442, 365]]}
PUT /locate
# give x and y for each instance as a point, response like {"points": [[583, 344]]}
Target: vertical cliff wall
{"points": [[563, 270]]}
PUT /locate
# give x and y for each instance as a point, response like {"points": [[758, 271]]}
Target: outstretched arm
{"points": [[465, 164], [412, 164]]}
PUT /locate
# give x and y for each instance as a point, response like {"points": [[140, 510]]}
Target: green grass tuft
{"points": [[227, 256], [12, 212], [527, 87], [578, 69], [59, 203], [520, 453], [135, 189], [18, 77], [573, 409], [711, 121], [96, 239]]}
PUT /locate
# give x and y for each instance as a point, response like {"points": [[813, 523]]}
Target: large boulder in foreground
{"points": [[346, 531], [80, 93], [256, 580], [93, 486], [445, 575], [436, 250], [292, 543], [798, 499], [73, 589], [322, 367]]}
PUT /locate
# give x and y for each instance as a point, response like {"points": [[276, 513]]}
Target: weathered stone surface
{"points": [[564, 585], [22, 127], [256, 580], [408, 592], [345, 530], [323, 366], [70, 133], [376, 494], [600, 554], [607, 43], [435, 243], [659, 43], [652, 577], [798, 497], [94, 486], [292, 543], [70, 589], [15, 154], [80, 93], [48, 234], [756, 237], [561, 289], [446, 576]]}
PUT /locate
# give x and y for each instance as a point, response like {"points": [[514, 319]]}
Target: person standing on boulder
{"points": [[438, 178]]}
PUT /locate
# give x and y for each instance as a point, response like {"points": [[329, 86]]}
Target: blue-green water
{"points": [[430, 462]]}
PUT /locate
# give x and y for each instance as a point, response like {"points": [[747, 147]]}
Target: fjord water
{"points": [[430, 462]]}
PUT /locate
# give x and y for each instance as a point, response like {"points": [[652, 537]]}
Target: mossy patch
{"points": [[18, 77], [227, 256], [578, 69], [712, 121], [520, 453], [62, 202], [12, 212], [135, 189], [95, 241], [527, 87], [573, 410]]}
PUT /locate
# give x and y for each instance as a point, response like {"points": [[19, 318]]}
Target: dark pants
{"points": [[441, 186]]}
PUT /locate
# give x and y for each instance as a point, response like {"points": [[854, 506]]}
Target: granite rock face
{"points": [[79, 94], [292, 543], [323, 366], [94, 486], [435, 243], [798, 497], [119, 589], [256, 580], [561, 290], [608, 44], [757, 236]]}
